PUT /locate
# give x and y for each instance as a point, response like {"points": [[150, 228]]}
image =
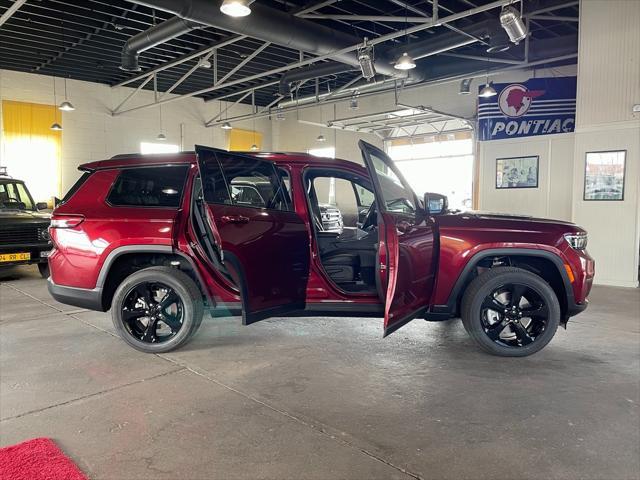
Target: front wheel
{"points": [[157, 309], [510, 312]]}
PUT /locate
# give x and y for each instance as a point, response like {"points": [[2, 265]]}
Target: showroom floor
{"points": [[322, 398]]}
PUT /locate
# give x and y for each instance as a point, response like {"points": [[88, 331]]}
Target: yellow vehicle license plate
{"points": [[14, 257]]}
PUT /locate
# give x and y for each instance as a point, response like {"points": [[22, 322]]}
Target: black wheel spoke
{"points": [[144, 292], [516, 291], [522, 334], [492, 303], [172, 321], [536, 312], [149, 334], [169, 299], [130, 314], [494, 331]]}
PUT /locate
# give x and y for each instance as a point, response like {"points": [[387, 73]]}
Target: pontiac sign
{"points": [[539, 106]]}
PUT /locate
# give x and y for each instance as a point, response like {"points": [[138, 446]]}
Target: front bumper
{"points": [[78, 297]]}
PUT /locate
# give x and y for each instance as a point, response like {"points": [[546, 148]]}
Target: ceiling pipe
{"points": [[307, 73], [165, 31], [269, 25]]}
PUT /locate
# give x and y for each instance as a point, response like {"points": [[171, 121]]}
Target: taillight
{"points": [[66, 221]]}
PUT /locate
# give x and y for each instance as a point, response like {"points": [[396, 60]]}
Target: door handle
{"points": [[234, 219]]}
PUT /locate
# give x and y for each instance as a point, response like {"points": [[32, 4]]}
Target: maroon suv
{"points": [[158, 239]]}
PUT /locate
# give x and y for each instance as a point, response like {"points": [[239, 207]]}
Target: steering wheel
{"points": [[11, 200], [371, 219]]}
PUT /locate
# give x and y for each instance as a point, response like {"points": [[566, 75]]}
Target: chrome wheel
{"points": [[152, 312]]}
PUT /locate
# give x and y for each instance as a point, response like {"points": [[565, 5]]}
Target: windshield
{"points": [[15, 196]]}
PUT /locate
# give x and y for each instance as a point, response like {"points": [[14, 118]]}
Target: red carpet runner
{"points": [[37, 459]]}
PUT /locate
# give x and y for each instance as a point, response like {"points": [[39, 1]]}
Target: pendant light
{"points": [[226, 126], [254, 147], [65, 106], [321, 138], [236, 8], [488, 90], [405, 62], [55, 125], [161, 136]]}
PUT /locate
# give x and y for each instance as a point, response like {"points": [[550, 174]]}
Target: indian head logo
{"points": [[515, 100]]}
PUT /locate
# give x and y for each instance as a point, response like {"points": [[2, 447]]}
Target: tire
{"points": [[43, 268], [139, 316], [504, 329]]}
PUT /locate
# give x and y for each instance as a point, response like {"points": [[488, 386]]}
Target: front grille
{"points": [[25, 234]]}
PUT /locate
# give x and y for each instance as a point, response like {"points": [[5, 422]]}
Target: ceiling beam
{"points": [[351, 48], [11, 10], [366, 18]]}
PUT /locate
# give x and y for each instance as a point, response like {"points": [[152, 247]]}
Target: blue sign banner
{"points": [[539, 106]]}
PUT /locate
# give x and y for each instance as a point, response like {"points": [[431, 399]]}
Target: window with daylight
{"points": [[30, 150], [149, 147], [439, 164]]}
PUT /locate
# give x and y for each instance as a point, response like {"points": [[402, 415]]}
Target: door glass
{"points": [[397, 198], [254, 183], [149, 187]]}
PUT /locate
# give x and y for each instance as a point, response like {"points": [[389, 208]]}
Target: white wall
{"points": [[608, 86], [552, 198], [92, 133]]}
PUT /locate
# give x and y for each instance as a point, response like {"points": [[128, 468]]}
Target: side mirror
{"points": [[435, 204], [41, 206]]}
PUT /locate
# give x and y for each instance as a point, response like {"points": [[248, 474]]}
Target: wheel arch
{"points": [[124, 261], [545, 264]]}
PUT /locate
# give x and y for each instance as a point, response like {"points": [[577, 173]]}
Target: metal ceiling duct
{"points": [[174, 27], [269, 25]]}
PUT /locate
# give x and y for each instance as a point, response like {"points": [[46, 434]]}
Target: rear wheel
{"points": [[43, 268], [157, 309], [510, 312]]}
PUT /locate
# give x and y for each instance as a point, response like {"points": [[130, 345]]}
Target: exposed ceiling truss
{"points": [[82, 39]]}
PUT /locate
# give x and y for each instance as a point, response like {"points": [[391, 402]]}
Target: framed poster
{"points": [[604, 175], [517, 172]]}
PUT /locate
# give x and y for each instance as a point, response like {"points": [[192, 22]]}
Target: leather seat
{"points": [[341, 266]]}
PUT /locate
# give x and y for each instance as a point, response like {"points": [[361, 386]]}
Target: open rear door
{"points": [[406, 249], [263, 243]]}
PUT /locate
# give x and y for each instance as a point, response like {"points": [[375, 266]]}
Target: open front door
{"points": [[406, 249], [263, 243]]}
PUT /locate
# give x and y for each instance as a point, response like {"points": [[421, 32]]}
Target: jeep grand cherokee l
{"points": [[158, 239]]}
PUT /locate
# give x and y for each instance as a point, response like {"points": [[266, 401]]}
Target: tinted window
{"points": [[76, 186], [149, 187], [254, 183]]}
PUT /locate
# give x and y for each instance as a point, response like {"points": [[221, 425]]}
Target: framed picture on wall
{"points": [[517, 172], [604, 175]]}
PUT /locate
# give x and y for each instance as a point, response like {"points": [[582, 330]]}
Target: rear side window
{"points": [[149, 187], [76, 186]]}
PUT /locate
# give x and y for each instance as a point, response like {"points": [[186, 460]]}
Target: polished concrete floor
{"points": [[322, 398]]}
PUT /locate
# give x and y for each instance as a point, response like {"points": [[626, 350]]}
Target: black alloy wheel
{"points": [[514, 315], [157, 309], [510, 311], [153, 312]]}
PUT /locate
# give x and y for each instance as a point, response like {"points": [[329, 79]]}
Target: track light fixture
{"points": [[512, 23], [405, 62], [236, 8], [367, 60]]}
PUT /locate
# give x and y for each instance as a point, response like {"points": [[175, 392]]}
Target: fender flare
{"points": [[458, 288]]}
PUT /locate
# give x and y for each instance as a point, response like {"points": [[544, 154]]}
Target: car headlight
{"points": [[578, 241]]}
